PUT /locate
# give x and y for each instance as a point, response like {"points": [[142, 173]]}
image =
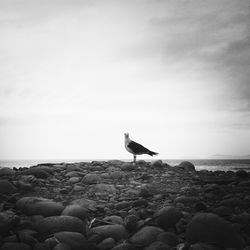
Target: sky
{"points": [[75, 75]]}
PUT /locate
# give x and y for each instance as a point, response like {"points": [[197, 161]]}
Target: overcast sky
{"points": [[76, 74]]}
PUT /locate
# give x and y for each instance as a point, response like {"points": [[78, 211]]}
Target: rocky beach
{"points": [[120, 206]]}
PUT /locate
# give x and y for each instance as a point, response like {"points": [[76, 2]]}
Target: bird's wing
{"points": [[137, 148]]}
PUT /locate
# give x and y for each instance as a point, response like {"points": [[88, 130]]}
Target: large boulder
{"points": [[76, 211], [54, 224], [8, 221], [186, 165], [117, 232], [15, 246], [145, 236], [6, 171], [85, 203], [75, 240], [7, 187], [208, 227], [168, 217], [39, 206], [38, 172]]}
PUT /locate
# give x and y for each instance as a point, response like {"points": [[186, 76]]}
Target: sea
{"points": [[200, 164]]}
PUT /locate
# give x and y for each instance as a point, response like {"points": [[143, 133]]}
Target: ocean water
{"points": [[200, 164]]}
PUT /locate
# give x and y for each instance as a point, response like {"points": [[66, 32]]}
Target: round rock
{"points": [[116, 232], [145, 236], [75, 240], [39, 206], [158, 245], [91, 179], [7, 188], [15, 246], [76, 211], [56, 224], [186, 165], [208, 227], [168, 217]]}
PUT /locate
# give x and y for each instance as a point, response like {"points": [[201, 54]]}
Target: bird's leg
{"points": [[134, 160]]}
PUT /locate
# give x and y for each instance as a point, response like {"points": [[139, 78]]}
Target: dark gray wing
{"points": [[137, 148]]}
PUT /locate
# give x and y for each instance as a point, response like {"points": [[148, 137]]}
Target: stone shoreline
{"points": [[116, 205]]}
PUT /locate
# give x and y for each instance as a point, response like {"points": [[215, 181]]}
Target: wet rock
{"points": [[109, 188], [200, 206], [223, 211], [123, 204], [145, 236], [116, 175], [75, 240], [62, 246], [231, 202], [208, 227], [244, 183], [73, 174], [91, 179], [114, 219], [7, 187], [168, 217], [41, 246], [76, 211], [131, 222], [107, 243], [157, 164], [127, 167], [241, 174], [186, 165], [78, 188], [243, 218], [54, 224], [116, 232], [186, 200], [147, 190], [24, 187], [39, 206], [158, 245], [74, 180], [203, 246], [15, 246], [8, 221], [37, 172], [85, 203], [169, 238], [26, 238], [6, 171], [124, 246]]}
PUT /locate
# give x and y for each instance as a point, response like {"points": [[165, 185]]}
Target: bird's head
{"points": [[126, 135]]}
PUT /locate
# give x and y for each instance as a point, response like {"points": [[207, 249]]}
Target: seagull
{"points": [[136, 148]]}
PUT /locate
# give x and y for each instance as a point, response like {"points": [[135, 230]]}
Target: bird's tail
{"points": [[152, 153]]}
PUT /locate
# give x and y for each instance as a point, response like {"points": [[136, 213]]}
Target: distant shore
{"points": [[200, 164]]}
